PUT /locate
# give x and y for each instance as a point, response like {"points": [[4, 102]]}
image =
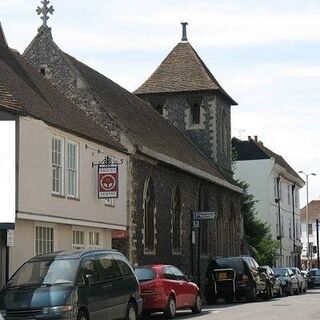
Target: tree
{"points": [[256, 232]]}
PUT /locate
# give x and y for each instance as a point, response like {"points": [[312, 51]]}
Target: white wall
{"points": [[35, 178]]}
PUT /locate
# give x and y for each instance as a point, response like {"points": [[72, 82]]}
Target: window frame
{"points": [[61, 166], [176, 206], [149, 187], [76, 170], [54, 235]]}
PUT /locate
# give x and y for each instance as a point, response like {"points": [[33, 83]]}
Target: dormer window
{"points": [[195, 113]]}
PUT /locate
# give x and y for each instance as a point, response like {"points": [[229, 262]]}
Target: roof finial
{"points": [[45, 10], [184, 31]]}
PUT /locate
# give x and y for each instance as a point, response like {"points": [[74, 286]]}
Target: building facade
{"points": [[275, 185], [310, 259], [168, 177], [57, 207]]}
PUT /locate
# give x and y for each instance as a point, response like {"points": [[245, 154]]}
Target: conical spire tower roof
{"points": [[181, 71]]}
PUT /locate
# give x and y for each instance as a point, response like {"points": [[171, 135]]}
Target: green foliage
{"points": [[256, 232]]}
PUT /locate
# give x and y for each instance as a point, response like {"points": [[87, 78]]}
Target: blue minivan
{"points": [[76, 285]]}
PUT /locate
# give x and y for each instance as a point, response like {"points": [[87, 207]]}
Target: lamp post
{"points": [[309, 252]]}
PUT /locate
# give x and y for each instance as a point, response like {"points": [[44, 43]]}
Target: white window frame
{"points": [[70, 142], [45, 225], [86, 232], [78, 246], [61, 166]]}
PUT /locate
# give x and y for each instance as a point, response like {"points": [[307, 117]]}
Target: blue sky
{"points": [[264, 53]]}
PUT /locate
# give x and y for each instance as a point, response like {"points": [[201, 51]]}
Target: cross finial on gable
{"points": [[184, 31], [45, 10]]}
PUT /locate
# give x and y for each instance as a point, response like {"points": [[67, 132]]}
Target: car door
{"points": [[113, 285], [186, 290], [260, 278], [91, 289], [127, 282], [171, 283]]}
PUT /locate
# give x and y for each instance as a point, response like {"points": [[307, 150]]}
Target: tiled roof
{"points": [[22, 87], [313, 211], [181, 71], [143, 125], [7, 100], [254, 150], [3, 41]]}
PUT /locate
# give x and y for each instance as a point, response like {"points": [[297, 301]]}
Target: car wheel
{"points": [[228, 299], [211, 299], [131, 313], [170, 310], [145, 314], [252, 295], [290, 291], [82, 315], [197, 305], [280, 293]]}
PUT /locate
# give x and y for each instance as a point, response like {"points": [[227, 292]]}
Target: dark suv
{"points": [[79, 285], [235, 277]]}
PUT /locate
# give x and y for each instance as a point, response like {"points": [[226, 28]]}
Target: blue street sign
{"points": [[204, 215]]}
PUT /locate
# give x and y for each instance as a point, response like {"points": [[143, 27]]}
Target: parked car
{"points": [[302, 283], [82, 285], [314, 277], [273, 280], [289, 280], [165, 288], [235, 277]]}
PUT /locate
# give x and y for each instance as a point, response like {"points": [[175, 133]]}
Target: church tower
{"points": [[186, 93]]}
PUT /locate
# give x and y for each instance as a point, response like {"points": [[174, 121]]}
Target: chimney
{"points": [[249, 138], [184, 31], [256, 138]]}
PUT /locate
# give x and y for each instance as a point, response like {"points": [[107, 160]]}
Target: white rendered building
{"points": [[276, 187]]}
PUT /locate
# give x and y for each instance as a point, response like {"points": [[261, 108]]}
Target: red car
{"points": [[165, 288]]}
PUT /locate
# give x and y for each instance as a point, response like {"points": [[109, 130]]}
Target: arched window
{"points": [[204, 224], [219, 228], [149, 218], [232, 236], [176, 221]]}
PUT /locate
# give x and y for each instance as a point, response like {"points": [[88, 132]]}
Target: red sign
{"points": [[108, 182], [119, 234]]}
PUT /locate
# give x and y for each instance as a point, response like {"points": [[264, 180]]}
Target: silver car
{"points": [[302, 283]]}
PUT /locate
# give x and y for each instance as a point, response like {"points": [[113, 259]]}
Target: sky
{"points": [[264, 53]]}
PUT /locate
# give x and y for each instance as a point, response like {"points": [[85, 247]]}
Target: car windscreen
{"points": [[145, 274], [226, 263], [281, 272], [315, 272], [50, 272]]}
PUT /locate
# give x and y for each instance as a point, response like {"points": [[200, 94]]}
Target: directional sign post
{"points": [[204, 215]]}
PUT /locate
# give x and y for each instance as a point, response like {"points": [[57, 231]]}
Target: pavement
{"points": [[304, 306]]}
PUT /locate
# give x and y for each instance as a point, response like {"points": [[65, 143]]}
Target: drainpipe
{"points": [[293, 187], [279, 237]]}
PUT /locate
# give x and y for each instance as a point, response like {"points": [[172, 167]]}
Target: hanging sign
{"points": [[108, 179]]}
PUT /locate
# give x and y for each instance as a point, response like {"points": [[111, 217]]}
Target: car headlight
{"points": [[58, 309]]}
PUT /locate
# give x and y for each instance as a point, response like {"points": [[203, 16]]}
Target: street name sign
{"points": [[204, 215]]}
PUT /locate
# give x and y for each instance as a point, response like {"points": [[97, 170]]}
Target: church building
{"points": [[179, 159]]}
